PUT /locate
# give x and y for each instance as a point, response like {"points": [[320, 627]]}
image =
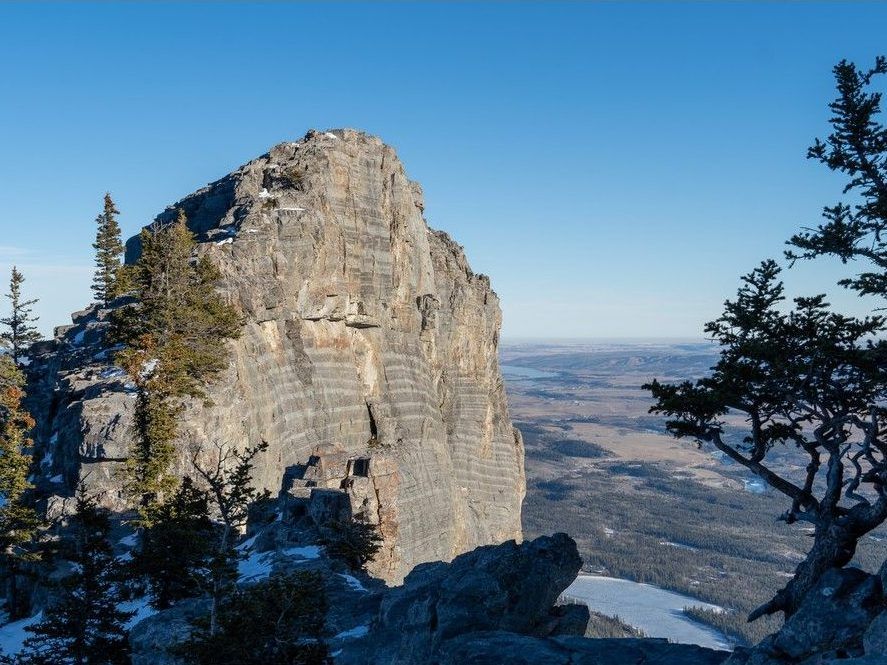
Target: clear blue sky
{"points": [[613, 167]]}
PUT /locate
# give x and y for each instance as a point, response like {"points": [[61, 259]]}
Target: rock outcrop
{"points": [[494, 605], [509, 587], [841, 620], [368, 359]]}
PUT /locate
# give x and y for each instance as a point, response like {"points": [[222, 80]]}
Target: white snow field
{"points": [[657, 612]]}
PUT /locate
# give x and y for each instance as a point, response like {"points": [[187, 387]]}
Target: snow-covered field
{"points": [[657, 612]]}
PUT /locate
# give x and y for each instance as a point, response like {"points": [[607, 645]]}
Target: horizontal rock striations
{"points": [[368, 358]]}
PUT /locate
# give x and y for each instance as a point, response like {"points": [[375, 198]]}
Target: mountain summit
{"points": [[367, 362]]}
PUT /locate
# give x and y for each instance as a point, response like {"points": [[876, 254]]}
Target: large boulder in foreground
{"points": [[839, 621], [368, 344], [497, 605]]}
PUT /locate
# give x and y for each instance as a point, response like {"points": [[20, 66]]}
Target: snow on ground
{"points": [[256, 566], [680, 546], [141, 607], [112, 372], [353, 582], [13, 635], [129, 541], [657, 612], [306, 552], [358, 631]]}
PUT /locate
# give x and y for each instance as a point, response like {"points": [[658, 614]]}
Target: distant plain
{"points": [[642, 505]]}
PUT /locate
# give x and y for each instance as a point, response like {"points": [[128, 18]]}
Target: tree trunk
{"points": [[13, 603], [217, 583], [833, 547]]}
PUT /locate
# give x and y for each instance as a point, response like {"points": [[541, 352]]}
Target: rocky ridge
{"points": [[495, 604], [368, 357]]}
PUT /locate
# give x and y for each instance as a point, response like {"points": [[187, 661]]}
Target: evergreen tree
{"points": [[174, 336], [279, 620], [810, 378], [355, 542], [174, 552], [109, 279], [20, 331], [18, 520], [83, 625], [232, 492]]}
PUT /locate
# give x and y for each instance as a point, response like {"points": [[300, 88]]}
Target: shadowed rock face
{"points": [[841, 620], [364, 330]]}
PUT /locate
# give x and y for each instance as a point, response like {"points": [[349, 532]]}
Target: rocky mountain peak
{"points": [[368, 357]]}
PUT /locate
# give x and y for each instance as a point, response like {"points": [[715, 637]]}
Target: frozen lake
{"points": [[657, 612]]}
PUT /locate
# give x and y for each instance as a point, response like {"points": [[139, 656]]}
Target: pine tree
{"points": [[279, 620], [174, 552], [84, 625], [20, 333], [174, 336], [18, 520], [109, 279], [355, 542], [232, 492], [810, 378]]}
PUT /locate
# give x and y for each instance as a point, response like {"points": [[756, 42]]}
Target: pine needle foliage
{"points": [[109, 280], [18, 519], [278, 620], [230, 487], [174, 551], [174, 336], [19, 332], [810, 378], [83, 625], [355, 542]]}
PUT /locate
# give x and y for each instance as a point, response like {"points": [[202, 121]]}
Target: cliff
{"points": [[368, 358]]}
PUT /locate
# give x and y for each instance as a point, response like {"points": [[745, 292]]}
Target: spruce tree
{"points": [[18, 519], [174, 335], [175, 550], [355, 542], [278, 620], [108, 281], [20, 331], [83, 625], [810, 378]]}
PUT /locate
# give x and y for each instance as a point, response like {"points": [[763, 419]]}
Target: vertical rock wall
{"points": [[364, 330]]}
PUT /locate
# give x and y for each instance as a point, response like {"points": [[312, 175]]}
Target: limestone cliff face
{"points": [[368, 359]]}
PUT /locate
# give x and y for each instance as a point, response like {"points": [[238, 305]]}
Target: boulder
{"points": [[875, 639], [510, 587], [840, 620], [833, 616], [151, 638]]}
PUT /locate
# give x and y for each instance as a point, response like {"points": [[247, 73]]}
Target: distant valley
{"points": [[642, 505]]}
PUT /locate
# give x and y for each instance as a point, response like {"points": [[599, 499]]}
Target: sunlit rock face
{"points": [[366, 336]]}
